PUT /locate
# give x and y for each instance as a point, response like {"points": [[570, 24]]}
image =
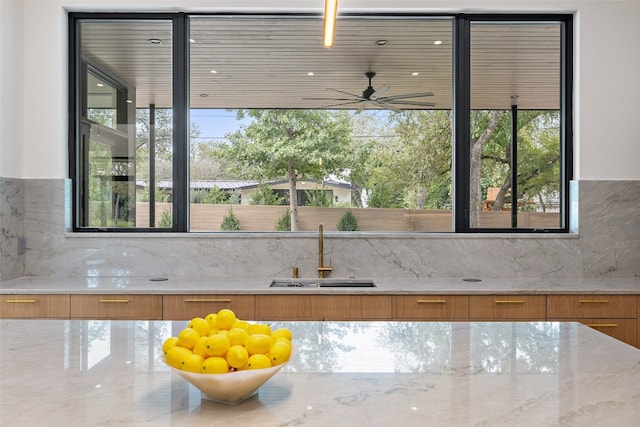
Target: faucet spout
{"points": [[322, 269]]}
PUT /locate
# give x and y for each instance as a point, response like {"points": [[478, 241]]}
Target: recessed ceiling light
{"points": [[381, 42], [415, 73], [192, 41], [437, 42], [99, 85], [129, 101], [203, 95], [155, 41], [214, 72], [310, 73]]}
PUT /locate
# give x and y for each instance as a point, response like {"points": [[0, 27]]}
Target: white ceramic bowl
{"points": [[233, 387]]}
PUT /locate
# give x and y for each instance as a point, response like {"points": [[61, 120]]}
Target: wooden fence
{"points": [[208, 217]]}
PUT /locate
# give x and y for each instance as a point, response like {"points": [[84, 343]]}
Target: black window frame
{"points": [[461, 111]]}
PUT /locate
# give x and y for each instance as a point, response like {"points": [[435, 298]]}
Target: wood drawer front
{"points": [[431, 307], [34, 306], [144, 307], [595, 306], [186, 307], [623, 329], [507, 307], [352, 307], [285, 307]]}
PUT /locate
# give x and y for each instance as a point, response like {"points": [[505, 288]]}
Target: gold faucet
{"points": [[322, 269]]}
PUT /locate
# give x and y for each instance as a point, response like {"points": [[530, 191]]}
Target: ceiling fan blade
{"points": [[346, 93], [408, 95], [416, 103], [328, 99], [361, 107], [388, 106], [378, 93], [341, 104]]}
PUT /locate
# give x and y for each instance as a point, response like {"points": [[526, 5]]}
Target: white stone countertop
{"points": [[260, 285], [90, 373]]}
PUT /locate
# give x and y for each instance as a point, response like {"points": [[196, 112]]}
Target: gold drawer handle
{"points": [[114, 300], [431, 301], [602, 325], [21, 301], [510, 301], [208, 300], [594, 301]]}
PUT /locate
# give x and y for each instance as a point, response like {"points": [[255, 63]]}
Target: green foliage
{"points": [[165, 219], [264, 195], [216, 195], [284, 222], [319, 198], [230, 222], [348, 222], [385, 196]]}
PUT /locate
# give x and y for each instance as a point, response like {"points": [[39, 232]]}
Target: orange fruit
{"points": [[258, 361], [188, 337], [215, 365], [237, 356], [258, 344], [217, 345]]}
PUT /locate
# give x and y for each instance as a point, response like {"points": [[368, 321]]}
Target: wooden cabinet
{"points": [[34, 306], [507, 307], [323, 307], [148, 307], [431, 307], [614, 315], [186, 307], [285, 307]]}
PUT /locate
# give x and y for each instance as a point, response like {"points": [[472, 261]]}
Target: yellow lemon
{"points": [[187, 338], [192, 363], [260, 328], [237, 356], [225, 318], [258, 361], [213, 331], [258, 344], [200, 348], [200, 325], [217, 345], [237, 336], [175, 355], [281, 332], [211, 319], [168, 343], [242, 324], [215, 365], [279, 352]]}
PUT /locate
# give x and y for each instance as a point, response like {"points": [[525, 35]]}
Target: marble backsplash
{"points": [[12, 253], [607, 245]]}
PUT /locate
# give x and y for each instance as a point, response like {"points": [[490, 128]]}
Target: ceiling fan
{"points": [[371, 96]]}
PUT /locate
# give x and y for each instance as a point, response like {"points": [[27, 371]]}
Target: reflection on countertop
{"points": [[89, 372]]}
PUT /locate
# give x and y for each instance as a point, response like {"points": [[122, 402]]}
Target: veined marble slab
{"points": [[260, 285], [87, 373]]}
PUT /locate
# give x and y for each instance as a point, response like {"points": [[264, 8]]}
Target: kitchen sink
{"points": [[322, 283]]}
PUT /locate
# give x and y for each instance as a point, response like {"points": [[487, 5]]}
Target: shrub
{"points": [[264, 195], [348, 222], [165, 219], [230, 222], [284, 222]]}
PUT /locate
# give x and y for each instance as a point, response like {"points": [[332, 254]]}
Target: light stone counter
{"points": [[89, 373], [260, 285]]}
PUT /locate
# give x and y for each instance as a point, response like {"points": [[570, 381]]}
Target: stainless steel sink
{"points": [[322, 283]]}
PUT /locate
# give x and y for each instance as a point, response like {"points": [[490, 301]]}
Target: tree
{"points": [[348, 222], [230, 222], [291, 143], [264, 195]]}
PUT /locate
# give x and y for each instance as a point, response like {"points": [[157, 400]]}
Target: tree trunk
{"points": [[293, 197], [475, 191]]}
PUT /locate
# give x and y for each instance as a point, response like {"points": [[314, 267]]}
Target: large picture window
{"points": [[409, 124]]}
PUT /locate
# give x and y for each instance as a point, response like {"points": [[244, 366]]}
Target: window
{"points": [[184, 121]]}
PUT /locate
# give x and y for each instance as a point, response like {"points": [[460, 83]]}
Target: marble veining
{"points": [[607, 245], [79, 373]]}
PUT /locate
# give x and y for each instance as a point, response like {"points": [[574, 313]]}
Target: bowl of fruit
{"points": [[226, 358]]}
